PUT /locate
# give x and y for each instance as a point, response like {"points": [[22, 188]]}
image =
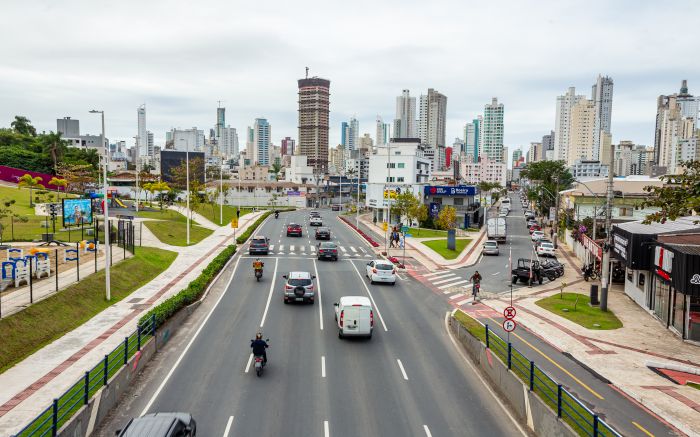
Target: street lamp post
{"points": [[138, 153], [106, 208], [221, 192], [357, 207]]}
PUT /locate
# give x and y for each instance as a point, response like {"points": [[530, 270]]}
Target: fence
{"points": [[581, 419], [49, 421]]}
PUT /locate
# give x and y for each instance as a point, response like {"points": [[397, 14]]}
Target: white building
{"points": [[399, 167], [228, 142], [562, 123], [588, 169], [534, 154], [485, 169], [405, 121], [261, 141], [632, 159], [602, 95], [383, 132], [359, 165], [472, 137], [582, 132], [184, 138], [676, 122], [265, 193], [299, 171], [491, 136], [431, 124], [142, 133]]}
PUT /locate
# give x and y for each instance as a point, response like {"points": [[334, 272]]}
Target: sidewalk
{"points": [[620, 355], [30, 386]]}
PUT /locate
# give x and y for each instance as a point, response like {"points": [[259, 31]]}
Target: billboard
{"points": [[170, 159], [77, 212], [458, 190]]}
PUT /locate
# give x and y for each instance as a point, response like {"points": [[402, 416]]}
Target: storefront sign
{"points": [[663, 260], [459, 190], [620, 246], [592, 247], [293, 193], [695, 280]]}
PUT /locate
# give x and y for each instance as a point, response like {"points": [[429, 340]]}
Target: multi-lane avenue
{"points": [[409, 379]]}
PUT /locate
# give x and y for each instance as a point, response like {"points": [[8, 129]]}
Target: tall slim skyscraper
{"points": [[287, 146], [562, 124], [431, 124], [405, 121], [150, 145], [314, 107], [261, 141], [602, 96], [228, 142], [472, 134], [491, 143], [220, 121], [142, 133], [676, 127], [350, 132], [582, 132], [548, 147], [383, 132]]}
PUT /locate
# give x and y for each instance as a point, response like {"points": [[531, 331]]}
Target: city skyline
{"points": [[189, 96]]}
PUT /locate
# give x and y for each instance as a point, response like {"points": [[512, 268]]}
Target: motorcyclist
{"points": [[476, 280], [277, 213], [257, 264], [259, 347]]}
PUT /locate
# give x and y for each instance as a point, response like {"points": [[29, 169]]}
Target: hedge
{"points": [[248, 232], [193, 292]]}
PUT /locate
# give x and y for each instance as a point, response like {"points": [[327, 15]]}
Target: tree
{"points": [[404, 203], [54, 146], [447, 218], [678, 197], [148, 187], [23, 126], [78, 176], [419, 213], [58, 182], [7, 211], [551, 176], [162, 188], [28, 181], [276, 169]]}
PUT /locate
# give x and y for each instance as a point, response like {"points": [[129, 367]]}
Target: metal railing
{"points": [[568, 408], [65, 406]]}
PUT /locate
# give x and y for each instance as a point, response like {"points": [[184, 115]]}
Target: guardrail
{"points": [[568, 408], [64, 407]]}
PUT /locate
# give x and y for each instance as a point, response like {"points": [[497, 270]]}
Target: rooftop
{"points": [[682, 224]]}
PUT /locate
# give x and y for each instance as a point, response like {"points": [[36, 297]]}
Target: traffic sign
{"points": [[234, 222], [509, 313], [509, 325], [404, 229]]}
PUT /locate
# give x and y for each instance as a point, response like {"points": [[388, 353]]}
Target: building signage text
{"points": [[459, 190], [620, 245]]}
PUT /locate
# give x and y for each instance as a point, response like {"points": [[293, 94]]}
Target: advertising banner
{"points": [[434, 210], [458, 190], [77, 212]]}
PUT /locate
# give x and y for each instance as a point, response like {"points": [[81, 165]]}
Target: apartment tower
{"points": [[314, 108]]}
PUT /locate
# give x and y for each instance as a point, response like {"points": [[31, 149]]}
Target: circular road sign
{"points": [[509, 325], [509, 313]]}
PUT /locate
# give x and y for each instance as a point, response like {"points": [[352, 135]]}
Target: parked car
{"points": [[354, 316], [381, 271], [545, 249], [503, 214], [259, 245], [527, 271], [533, 228], [323, 233], [315, 221], [299, 287], [328, 250], [293, 229], [536, 235], [490, 247], [336, 208], [160, 425]]}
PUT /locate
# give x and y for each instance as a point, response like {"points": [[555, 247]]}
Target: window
{"points": [[458, 201], [400, 165], [399, 179], [250, 189], [640, 280]]}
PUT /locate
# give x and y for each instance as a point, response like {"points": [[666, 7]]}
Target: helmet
{"points": [[258, 336]]}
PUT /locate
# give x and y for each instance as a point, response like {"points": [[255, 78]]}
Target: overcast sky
{"points": [[62, 58]]}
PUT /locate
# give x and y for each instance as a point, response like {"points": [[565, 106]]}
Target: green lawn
{"points": [[212, 213], [165, 214], [440, 246], [694, 385], [583, 314], [426, 233], [25, 332]]}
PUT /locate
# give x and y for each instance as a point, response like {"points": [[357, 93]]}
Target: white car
{"points": [[381, 270], [315, 221], [354, 316], [545, 249], [537, 235]]}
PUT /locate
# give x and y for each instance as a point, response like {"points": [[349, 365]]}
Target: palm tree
{"points": [[148, 186], [276, 169], [22, 125], [58, 182], [54, 145], [28, 181]]}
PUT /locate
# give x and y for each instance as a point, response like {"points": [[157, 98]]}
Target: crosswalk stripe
{"points": [[462, 302], [281, 248], [291, 248], [442, 287], [313, 248], [362, 250], [368, 256], [343, 249], [353, 249], [272, 247], [443, 280], [440, 273], [457, 296]]}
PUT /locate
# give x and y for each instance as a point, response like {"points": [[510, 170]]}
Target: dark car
{"points": [[336, 208], [259, 245], [293, 229], [160, 425], [323, 233], [328, 250]]}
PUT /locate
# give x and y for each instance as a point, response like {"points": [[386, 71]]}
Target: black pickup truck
{"points": [[528, 275]]}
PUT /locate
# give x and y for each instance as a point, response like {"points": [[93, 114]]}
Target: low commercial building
{"points": [[460, 197], [266, 193], [484, 169], [588, 169]]}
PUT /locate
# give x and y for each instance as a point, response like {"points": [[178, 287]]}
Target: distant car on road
{"points": [[315, 214], [299, 287], [381, 270], [545, 249], [328, 250], [354, 316], [315, 221], [293, 229], [259, 245], [336, 208], [490, 247], [323, 233], [160, 425]]}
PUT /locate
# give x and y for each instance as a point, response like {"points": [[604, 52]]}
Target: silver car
{"points": [[490, 247], [299, 287]]}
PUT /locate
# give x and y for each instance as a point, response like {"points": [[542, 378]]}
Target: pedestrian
{"points": [[391, 239], [396, 239], [551, 233], [402, 241], [374, 219]]}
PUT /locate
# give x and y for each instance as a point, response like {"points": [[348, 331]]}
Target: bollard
{"points": [[487, 336], [105, 377], [532, 375], [31, 283], [595, 426], [559, 400], [55, 252], [77, 261], [138, 337], [95, 255], [126, 350], [86, 394], [54, 418], [510, 354]]}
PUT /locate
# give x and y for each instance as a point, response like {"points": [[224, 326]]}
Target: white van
{"points": [[354, 316], [505, 202]]}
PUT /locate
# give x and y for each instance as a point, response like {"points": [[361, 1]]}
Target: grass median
{"points": [[575, 307], [440, 247], [29, 330], [170, 227]]}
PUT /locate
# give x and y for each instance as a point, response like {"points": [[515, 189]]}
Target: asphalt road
{"points": [[407, 380]]}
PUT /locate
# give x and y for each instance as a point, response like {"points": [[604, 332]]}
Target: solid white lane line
{"points": [[250, 360], [442, 287], [440, 273], [323, 366], [194, 337], [228, 426], [326, 430], [403, 372], [269, 296], [443, 281], [427, 431], [318, 293], [376, 308], [361, 250]]}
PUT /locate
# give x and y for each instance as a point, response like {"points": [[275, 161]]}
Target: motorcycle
{"points": [[589, 272], [277, 214], [258, 274], [259, 362], [475, 290]]}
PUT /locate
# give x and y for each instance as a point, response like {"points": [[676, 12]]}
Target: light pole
{"points": [[221, 192], [187, 184], [108, 294], [357, 208], [138, 154], [605, 280]]}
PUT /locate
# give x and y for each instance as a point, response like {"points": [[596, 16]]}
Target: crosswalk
{"points": [[310, 250], [456, 288]]}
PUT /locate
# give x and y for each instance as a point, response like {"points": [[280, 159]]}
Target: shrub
{"points": [[248, 232], [192, 292]]}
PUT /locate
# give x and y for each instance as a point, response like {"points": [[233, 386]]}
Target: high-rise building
{"points": [[548, 147], [287, 146], [142, 139], [472, 134], [431, 124], [150, 143], [601, 95], [383, 132], [365, 144], [68, 128], [491, 137], [517, 154], [405, 121], [220, 121], [228, 142], [676, 122], [314, 107], [562, 124], [261, 142], [535, 152], [187, 138], [582, 132], [350, 132]]}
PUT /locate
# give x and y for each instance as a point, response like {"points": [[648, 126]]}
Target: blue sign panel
{"points": [[459, 190], [434, 209]]}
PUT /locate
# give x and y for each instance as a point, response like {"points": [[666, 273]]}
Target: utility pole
{"points": [[388, 194], [556, 214], [108, 248], [604, 280]]}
